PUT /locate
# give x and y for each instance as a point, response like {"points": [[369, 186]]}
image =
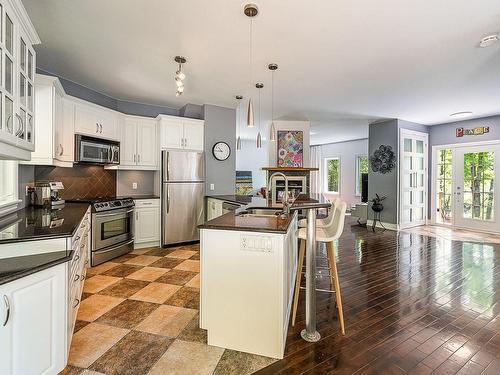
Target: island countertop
{"points": [[267, 224]]}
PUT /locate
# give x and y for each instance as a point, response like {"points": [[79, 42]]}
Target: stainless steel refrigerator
{"points": [[183, 187]]}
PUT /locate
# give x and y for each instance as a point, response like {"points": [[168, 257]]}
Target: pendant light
{"points": [[272, 134], [259, 137], [238, 138], [179, 75], [250, 11]]}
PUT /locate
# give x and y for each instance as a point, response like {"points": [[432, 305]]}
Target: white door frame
{"points": [[409, 133], [435, 150]]}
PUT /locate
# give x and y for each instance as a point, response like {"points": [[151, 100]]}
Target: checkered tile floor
{"points": [[139, 315]]}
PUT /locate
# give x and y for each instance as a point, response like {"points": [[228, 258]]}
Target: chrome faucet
{"points": [[284, 199]]}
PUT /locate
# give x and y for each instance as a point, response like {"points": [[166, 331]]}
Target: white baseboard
{"points": [[389, 226], [142, 245]]}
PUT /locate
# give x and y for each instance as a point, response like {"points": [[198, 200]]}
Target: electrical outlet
{"points": [[212, 186], [134, 185]]}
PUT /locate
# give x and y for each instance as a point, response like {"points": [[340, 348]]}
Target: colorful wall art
{"points": [[290, 148]]}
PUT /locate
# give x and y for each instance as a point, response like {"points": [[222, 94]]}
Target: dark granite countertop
{"points": [[17, 267], [269, 224], [240, 199], [37, 223]]}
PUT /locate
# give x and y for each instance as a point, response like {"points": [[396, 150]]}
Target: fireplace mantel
{"points": [[289, 169]]}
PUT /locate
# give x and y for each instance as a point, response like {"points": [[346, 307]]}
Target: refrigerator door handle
{"points": [[168, 165], [168, 199]]}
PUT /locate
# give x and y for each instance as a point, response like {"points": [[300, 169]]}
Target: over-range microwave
{"points": [[92, 150]]}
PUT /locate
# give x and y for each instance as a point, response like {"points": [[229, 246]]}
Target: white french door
{"points": [[413, 178], [477, 187]]}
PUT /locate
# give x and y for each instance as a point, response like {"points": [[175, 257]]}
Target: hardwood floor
{"points": [[412, 304]]}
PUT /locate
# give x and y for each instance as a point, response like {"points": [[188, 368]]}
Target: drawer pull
{"points": [[77, 257], [7, 307], [77, 303], [77, 277], [77, 238]]}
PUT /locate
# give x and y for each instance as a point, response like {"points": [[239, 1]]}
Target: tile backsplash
{"points": [[81, 181]]}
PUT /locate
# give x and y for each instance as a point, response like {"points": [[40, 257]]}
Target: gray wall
{"points": [[129, 108], [444, 134], [384, 133], [220, 125]]}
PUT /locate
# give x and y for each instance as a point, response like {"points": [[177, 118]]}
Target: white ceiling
{"points": [[342, 64]]}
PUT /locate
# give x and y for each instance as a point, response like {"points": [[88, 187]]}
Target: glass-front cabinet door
{"points": [[17, 62]]}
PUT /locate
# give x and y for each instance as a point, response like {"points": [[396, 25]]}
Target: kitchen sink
{"points": [[260, 212]]}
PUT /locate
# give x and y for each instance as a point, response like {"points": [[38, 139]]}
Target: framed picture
{"points": [[290, 148]]}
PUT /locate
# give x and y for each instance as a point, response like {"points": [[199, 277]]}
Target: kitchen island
{"points": [[248, 262]]}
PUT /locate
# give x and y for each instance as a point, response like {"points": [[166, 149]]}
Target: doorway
{"points": [[466, 186]]}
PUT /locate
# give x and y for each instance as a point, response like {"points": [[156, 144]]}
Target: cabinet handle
{"points": [[76, 258], [77, 303], [136, 215], [77, 277], [138, 158], [7, 307], [62, 149], [83, 277], [97, 127], [100, 127], [134, 158]]}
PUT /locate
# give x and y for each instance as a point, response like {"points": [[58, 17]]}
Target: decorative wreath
{"points": [[383, 160]]}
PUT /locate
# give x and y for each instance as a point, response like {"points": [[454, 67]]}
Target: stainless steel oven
{"points": [[96, 151], [112, 234]]}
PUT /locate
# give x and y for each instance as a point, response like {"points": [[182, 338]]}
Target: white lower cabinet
{"points": [[147, 223], [214, 208], [32, 330]]}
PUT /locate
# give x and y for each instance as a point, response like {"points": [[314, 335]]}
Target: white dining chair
{"points": [[321, 223], [327, 235]]}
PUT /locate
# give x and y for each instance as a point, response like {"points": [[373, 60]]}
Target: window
{"points": [[361, 167], [444, 184], [332, 178], [8, 186]]}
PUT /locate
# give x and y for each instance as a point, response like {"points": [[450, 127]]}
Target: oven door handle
{"points": [[114, 247], [98, 216]]}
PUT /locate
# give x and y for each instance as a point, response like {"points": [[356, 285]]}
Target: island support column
{"points": [[310, 333]]}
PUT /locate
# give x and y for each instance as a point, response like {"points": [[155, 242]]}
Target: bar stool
{"points": [[327, 235], [321, 223]]}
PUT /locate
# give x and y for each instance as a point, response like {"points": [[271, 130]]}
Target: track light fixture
{"points": [[179, 75]]}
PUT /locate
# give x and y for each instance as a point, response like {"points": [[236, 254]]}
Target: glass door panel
{"points": [[477, 191], [413, 177]]}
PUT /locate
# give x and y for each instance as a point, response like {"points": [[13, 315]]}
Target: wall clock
{"points": [[221, 151]]}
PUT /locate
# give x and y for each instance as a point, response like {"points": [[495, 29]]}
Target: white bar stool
{"points": [[327, 235], [321, 223]]}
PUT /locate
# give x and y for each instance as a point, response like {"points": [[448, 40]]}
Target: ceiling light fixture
{"points": [[461, 114], [238, 138], [272, 133], [259, 137], [179, 75], [250, 10], [488, 40]]}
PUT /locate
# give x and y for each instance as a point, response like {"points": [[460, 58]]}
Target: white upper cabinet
{"points": [[138, 144], [54, 126], [18, 62], [95, 122], [181, 133]]}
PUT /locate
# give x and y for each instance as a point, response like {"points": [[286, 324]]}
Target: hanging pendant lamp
{"points": [[238, 138], [259, 137], [250, 11], [272, 133]]}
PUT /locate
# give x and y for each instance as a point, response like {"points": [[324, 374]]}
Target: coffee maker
{"points": [[46, 194]]}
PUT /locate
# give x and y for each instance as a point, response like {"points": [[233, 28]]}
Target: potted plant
{"points": [[377, 205]]}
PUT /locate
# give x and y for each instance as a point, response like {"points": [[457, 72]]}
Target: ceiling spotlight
{"points": [[180, 89], [461, 114], [180, 75], [178, 93], [488, 40], [178, 82]]}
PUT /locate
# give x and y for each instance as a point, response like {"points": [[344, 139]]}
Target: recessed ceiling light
{"points": [[488, 40], [461, 114]]}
